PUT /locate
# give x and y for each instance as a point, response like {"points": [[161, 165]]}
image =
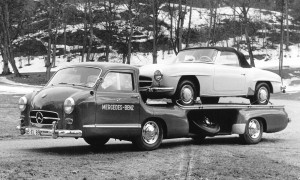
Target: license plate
{"points": [[35, 132]]}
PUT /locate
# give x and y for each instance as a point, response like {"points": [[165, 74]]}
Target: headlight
{"points": [[22, 103], [158, 75], [69, 105]]}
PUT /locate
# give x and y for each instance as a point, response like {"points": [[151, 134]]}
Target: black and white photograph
{"points": [[150, 89]]}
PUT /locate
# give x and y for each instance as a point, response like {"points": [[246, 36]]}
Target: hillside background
{"points": [[52, 32]]}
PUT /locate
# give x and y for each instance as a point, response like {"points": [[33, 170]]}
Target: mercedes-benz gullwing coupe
{"points": [[208, 73]]}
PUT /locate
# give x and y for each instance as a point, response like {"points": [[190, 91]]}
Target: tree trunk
{"points": [[85, 32], [189, 27], [155, 19], [287, 26], [180, 25], [210, 23], [249, 47], [5, 70], [130, 33], [91, 32], [65, 39], [7, 40], [281, 41], [54, 46], [245, 16], [171, 28], [48, 59]]}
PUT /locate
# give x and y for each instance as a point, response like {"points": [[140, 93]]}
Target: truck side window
{"points": [[116, 81], [228, 59]]}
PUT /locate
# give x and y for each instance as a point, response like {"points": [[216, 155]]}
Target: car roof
{"points": [[243, 62]]}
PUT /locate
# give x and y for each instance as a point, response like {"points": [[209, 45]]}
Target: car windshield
{"points": [[76, 76], [196, 56]]}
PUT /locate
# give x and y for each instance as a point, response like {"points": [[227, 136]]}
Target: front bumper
{"points": [[54, 132]]}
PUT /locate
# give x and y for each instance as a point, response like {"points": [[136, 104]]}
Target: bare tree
{"points": [[287, 42], [155, 6], [48, 63], [177, 16], [281, 39], [5, 38], [189, 26], [244, 7]]}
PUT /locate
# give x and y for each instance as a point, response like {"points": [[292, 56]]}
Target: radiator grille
{"points": [[145, 82], [43, 117]]}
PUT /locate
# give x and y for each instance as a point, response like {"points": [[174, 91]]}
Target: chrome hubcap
{"points": [[263, 95], [254, 129], [150, 132], [187, 94]]}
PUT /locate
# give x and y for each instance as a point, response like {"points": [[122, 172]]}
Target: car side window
{"points": [[117, 81], [228, 59]]}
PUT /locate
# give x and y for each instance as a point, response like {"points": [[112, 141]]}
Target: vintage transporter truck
{"points": [[99, 101]]}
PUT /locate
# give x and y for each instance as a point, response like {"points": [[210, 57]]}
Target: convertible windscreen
{"points": [[76, 76], [196, 56]]}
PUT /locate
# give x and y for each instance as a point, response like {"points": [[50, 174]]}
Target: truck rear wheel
{"points": [[151, 136], [253, 132], [96, 141]]}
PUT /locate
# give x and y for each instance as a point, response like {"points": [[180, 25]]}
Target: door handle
{"points": [[243, 74]]}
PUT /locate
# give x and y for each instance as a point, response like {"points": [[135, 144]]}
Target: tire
{"points": [[185, 93], [261, 94], [151, 136], [253, 132], [205, 129], [96, 141], [209, 100]]}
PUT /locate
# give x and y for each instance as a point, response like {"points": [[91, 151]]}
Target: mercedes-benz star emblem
{"points": [[39, 117]]}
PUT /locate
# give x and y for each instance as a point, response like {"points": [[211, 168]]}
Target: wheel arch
{"points": [[193, 79], [268, 83], [263, 121]]}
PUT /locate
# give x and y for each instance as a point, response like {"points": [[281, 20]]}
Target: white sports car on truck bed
{"points": [[208, 73]]}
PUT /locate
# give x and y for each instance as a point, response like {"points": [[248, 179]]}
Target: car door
{"points": [[118, 101], [229, 77]]}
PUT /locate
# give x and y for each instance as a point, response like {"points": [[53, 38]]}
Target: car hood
{"points": [[53, 97]]}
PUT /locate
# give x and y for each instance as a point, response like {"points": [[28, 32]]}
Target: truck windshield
{"points": [[76, 76], [196, 56]]}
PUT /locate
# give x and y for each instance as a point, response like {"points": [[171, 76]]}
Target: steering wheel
{"points": [[205, 58]]}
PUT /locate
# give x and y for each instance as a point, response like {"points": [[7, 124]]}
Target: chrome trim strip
{"points": [[33, 117], [228, 106], [160, 89], [112, 126]]}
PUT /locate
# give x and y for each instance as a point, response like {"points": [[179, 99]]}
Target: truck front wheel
{"points": [[253, 132], [151, 136], [96, 141]]}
